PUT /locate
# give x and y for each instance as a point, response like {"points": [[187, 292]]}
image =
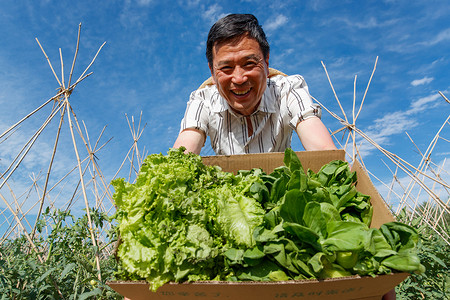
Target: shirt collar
{"points": [[267, 104]]}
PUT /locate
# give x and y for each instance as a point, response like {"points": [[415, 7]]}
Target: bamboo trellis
{"points": [[84, 181], [418, 176]]}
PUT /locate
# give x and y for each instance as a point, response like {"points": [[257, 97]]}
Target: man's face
{"points": [[240, 71]]}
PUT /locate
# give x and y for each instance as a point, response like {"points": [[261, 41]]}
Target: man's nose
{"points": [[239, 76]]}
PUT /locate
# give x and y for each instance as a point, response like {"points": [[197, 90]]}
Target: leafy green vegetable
{"points": [[183, 220], [180, 216], [326, 219]]}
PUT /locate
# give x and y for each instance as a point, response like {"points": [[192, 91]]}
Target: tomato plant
{"points": [[64, 267], [433, 252]]}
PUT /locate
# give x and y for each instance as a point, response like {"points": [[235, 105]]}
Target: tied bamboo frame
{"points": [[418, 175]]}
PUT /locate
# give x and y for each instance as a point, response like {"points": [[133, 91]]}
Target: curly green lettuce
{"points": [[180, 215]]}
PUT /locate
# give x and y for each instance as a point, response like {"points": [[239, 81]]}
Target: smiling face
{"points": [[240, 71]]}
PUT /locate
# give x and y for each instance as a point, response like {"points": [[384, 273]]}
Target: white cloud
{"points": [[389, 125], [422, 81], [213, 13], [423, 103], [440, 37], [407, 43], [280, 59], [368, 23], [276, 23], [397, 122]]}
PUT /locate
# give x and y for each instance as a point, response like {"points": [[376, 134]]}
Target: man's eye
{"points": [[225, 69], [250, 64]]}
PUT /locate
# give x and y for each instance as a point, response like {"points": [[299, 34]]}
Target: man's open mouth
{"points": [[241, 93]]}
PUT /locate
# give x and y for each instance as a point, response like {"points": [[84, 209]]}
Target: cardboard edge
{"points": [[338, 288], [268, 161]]}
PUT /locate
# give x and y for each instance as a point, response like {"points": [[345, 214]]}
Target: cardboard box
{"points": [[354, 287]]}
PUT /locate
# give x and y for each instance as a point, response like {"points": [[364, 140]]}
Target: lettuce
{"points": [[179, 216]]}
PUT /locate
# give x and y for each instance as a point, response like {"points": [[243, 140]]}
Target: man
{"points": [[245, 111]]}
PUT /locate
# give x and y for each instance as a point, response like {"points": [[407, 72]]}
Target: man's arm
{"points": [[314, 135], [192, 139]]}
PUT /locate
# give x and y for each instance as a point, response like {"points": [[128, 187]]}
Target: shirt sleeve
{"points": [[299, 102], [197, 112]]}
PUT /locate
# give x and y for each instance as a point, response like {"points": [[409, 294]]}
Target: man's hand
{"points": [[390, 295], [192, 139], [314, 135]]}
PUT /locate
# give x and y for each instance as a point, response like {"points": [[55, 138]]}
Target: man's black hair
{"points": [[232, 26]]}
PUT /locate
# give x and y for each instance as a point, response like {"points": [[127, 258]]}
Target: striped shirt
{"points": [[285, 103]]}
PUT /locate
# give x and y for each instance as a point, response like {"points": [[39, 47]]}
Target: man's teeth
{"points": [[241, 92]]}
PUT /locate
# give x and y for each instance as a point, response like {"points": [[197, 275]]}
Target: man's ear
{"points": [[267, 64], [212, 73]]}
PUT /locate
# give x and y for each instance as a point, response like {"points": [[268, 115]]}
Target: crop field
{"points": [[67, 249]]}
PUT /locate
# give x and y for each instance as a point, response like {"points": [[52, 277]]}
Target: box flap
{"points": [[313, 160]]}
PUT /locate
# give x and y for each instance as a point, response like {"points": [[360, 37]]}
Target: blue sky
{"points": [[154, 57]]}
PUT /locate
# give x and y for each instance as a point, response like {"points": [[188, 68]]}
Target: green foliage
{"points": [[179, 215], [434, 254], [317, 227], [68, 270]]}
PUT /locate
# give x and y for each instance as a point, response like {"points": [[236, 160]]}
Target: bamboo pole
{"points": [[443, 96], [334, 91], [12, 228], [91, 154], [425, 159], [49, 63], [75, 55], [440, 217], [31, 113], [354, 120], [33, 139], [63, 86], [83, 188], [24, 151], [49, 170], [367, 88], [93, 60]]}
